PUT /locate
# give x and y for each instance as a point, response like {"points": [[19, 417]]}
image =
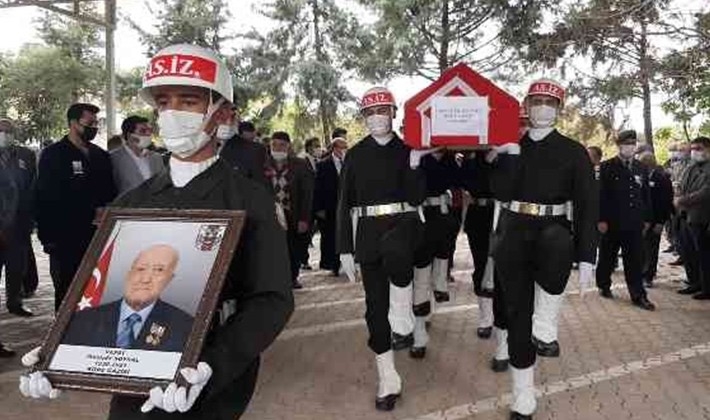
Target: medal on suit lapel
{"points": [[155, 335], [22, 163]]}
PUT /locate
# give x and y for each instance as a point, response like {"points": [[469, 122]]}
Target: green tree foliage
{"points": [[620, 38], [303, 55], [200, 22], [425, 37]]}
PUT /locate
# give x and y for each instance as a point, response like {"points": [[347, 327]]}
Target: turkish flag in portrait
{"points": [[94, 289]]}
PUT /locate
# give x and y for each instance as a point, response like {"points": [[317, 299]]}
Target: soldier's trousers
{"points": [[529, 250], [439, 231], [376, 278], [478, 226], [631, 245]]}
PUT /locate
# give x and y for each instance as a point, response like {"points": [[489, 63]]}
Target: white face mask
{"points": [[543, 116], [698, 156], [379, 125], [183, 131], [5, 139], [142, 141], [279, 156], [627, 151], [226, 132]]}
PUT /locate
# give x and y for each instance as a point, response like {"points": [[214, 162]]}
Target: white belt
{"points": [[379, 210], [482, 202], [540, 210], [383, 210], [443, 201]]}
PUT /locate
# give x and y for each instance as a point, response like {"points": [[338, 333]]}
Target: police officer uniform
{"points": [[626, 208], [71, 186], [431, 259], [549, 210]]}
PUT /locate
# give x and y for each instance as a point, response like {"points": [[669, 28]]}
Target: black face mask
{"points": [[89, 133]]}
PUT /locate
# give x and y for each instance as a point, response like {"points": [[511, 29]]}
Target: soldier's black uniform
{"points": [[71, 186], [662, 206], [625, 205], [384, 245], [259, 280], [18, 173], [247, 157], [538, 249], [440, 226]]}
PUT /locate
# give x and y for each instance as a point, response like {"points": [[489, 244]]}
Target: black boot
{"points": [[440, 297], [5, 352], [402, 342], [517, 416], [417, 352], [499, 366], [546, 349], [484, 332], [386, 403]]}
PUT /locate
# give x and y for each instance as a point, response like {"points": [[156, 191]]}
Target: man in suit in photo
{"points": [[292, 183], [326, 202], [133, 163], [140, 320]]}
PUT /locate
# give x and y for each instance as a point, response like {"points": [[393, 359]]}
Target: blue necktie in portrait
{"points": [[126, 337]]}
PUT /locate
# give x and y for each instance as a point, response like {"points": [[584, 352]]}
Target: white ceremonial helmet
{"points": [[547, 87], [377, 96], [187, 65]]}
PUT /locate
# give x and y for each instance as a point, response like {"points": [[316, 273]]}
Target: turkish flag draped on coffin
{"points": [[461, 109]]}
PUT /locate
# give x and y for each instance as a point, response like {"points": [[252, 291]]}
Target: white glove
{"points": [[36, 385], [415, 156], [347, 266], [175, 398], [586, 275], [506, 149]]}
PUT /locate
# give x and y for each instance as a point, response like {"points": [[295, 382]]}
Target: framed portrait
{"points": [[142, 301]]}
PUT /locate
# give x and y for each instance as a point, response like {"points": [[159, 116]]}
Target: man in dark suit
{"points": [[292, 183], [246, 156], [625, 215], [17, 182], [662, 207], [325, 202], [140, 320], [75, 178]]}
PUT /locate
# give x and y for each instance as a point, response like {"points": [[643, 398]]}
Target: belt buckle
{"points": [[531, 209]]}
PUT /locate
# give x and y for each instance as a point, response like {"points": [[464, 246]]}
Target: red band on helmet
{"points": [[179, 65], [548, 89], [376, 99]]}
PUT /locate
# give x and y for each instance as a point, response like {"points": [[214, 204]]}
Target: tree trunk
{"points": [[321, 56], [445, 38], [646, 85]]}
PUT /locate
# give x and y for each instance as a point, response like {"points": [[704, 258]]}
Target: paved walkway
{"points": [[617, 361]]}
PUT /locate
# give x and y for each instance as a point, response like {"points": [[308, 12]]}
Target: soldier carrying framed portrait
{"points": [[141, 303]]}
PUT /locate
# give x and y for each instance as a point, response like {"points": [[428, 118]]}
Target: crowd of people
{"points": [[387, 214]]}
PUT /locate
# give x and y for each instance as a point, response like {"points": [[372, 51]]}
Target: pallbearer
{"points": [[548, 218], [432, 257], [379, 224]]}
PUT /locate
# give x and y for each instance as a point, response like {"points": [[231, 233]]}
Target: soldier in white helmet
{"points": [[379, 224], [548, 220], [191, 89]]}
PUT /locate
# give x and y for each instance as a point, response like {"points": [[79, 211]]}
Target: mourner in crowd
{"points": [[311, 154], [381, 187], [325, 202], [221, 385], [692, 204], [75, 179], [292, 183], [17, 180], [659, 182], [133, 163], [239, 149], [625, 215], [549, 211]]}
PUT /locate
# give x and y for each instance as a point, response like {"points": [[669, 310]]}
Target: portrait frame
{"points": [[203, 317]]}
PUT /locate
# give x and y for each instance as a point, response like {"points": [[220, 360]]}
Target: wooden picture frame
{"points": [[125, 370]]}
